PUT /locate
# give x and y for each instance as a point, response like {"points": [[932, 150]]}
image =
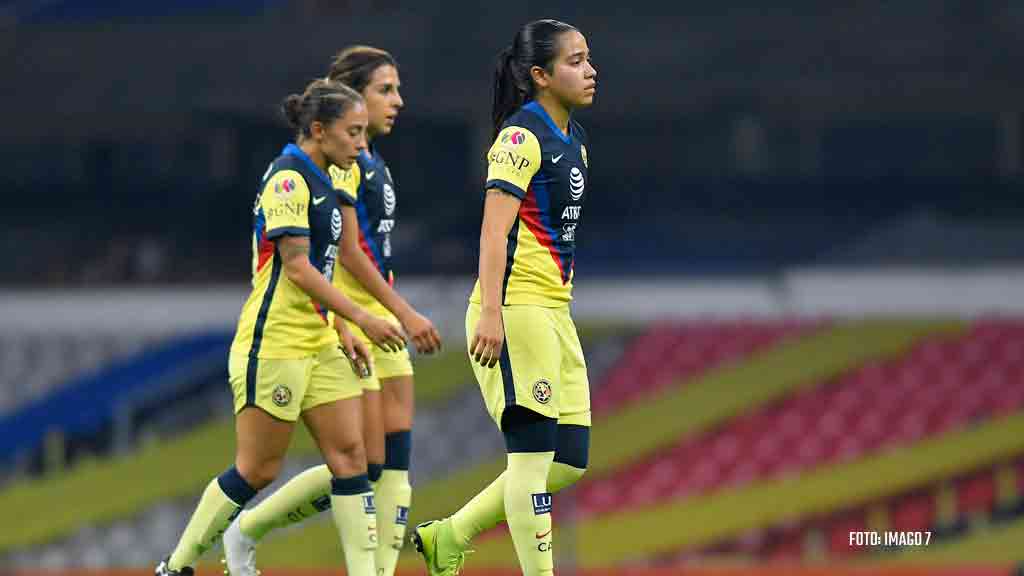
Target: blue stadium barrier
{"points": [[88, 403]]}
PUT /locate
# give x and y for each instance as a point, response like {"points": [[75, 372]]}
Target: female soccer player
{"points": [[522, 342], [364, 273], [285, 360]]}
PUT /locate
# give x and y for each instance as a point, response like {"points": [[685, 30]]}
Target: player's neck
{"points": [[314, 153], [559, 114]]}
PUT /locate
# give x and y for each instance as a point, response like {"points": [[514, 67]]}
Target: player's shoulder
{"points": [[284, 184], [520, 131]]}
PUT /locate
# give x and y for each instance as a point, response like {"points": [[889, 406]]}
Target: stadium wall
{"points": [[815, 292]]}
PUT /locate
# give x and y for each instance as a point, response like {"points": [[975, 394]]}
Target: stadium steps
{"points": [[32, 366], [634, 433], [141, 479], [681, 410], [145, 378], [950, 509], [939, 385], [700, 521], [673, 353]]}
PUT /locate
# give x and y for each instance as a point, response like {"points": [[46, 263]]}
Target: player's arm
{"points": [[500, 210], [420, 329], [284, 202], [294, 252], [512, 161]]}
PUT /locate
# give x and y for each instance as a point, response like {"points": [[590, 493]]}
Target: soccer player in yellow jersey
{"points": [[523, 345], [364, 273], [285, 360]]}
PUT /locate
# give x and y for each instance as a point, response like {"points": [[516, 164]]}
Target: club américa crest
{"points": [[542, 391]]}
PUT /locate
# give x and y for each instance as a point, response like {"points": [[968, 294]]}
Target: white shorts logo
{"points": [[576, 183]]}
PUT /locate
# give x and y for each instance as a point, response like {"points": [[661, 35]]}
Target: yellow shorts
{"points": [[286, 387], [385, 364], [541, 365]]}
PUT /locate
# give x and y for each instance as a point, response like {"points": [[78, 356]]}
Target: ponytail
{"points": [[509, 92]]}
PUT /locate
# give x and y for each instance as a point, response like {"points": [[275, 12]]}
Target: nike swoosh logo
{"points": [[318, 199], [539, 535], [369, 175], [555, 159]]}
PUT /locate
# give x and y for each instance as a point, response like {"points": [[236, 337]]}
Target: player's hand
{"points": [[422, 333], [383, 333], [355, 350], [488, 339]]}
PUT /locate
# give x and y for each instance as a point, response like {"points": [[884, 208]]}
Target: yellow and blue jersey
{"points": [[369, 182], [278, 319], [535, 161]]}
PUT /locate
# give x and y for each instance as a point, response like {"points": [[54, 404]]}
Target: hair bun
{"points": [[292, 109]]}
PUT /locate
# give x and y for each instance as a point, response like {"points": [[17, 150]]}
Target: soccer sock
{"points": [[393, 496], [487, 508], [481, 513], [528, 510], [304, 496], [223, 499], [355, 516]]}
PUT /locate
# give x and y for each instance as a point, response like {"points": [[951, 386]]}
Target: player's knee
{"points": [[562, 476], [346, 458], [259, 474]]}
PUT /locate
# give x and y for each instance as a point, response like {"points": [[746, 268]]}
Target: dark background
{"points": [[727, 137]]}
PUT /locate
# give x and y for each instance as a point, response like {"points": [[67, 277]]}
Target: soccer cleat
{"points": [[239, 551], [163, 570], [436, 543]]}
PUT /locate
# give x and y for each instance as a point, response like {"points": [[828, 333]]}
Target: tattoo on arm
{"points": [[291, 247]]}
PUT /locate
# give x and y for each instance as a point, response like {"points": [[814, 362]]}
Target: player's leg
{"points": [[523, 380], [304, 496], [393, 492], [373, 433], [530, 439], [574, 406], [266, 412], [486, 510], [336, 428], [334, 417]]}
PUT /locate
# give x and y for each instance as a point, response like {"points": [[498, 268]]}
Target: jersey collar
{"points": [[536, 108], [293, 150], [367, 156]]}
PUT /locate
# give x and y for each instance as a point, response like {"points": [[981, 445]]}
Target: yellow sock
{"points": [[487, 508], [392, 494], [355, 516], [528, 510], [304, 496], [222, 500]]}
